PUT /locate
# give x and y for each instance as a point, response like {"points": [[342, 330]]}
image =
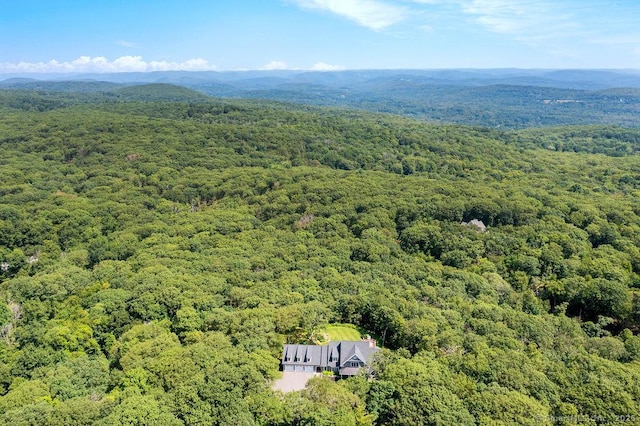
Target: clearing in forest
{"points": [[337, 332]]}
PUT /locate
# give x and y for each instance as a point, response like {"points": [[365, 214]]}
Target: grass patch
{"points": [[337, 332]]}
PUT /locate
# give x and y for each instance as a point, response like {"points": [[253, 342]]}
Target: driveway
{"points": [[292, 381]]}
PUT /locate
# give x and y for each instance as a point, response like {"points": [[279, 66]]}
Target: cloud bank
{"points": [[274, 65], [100, 64], [321, 66]]}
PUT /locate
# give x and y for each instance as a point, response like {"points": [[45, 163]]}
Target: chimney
{"points": [[372, 342]]}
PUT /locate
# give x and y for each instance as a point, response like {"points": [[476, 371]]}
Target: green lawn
{"points": [[337, 332]]}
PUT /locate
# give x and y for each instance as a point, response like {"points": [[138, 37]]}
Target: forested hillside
{"points": [[509, 98], [157, 249], [512, 106]]}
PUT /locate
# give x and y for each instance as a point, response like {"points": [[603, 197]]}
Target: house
{"points": [[344, 358]]}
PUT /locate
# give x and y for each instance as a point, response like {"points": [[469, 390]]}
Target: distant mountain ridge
{"points": [[575, 79], [510, 98]]}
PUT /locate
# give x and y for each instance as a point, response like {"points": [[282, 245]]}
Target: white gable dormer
{"points": [[333, 357]]}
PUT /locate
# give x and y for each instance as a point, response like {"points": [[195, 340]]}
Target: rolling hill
{"points": [[489, 98], [159, 247]]}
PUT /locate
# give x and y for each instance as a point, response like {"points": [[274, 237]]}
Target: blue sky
{"points": [[147, 35]]}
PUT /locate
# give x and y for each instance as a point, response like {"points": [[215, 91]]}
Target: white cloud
{"points": [[128, 44], [101, 64], [502, 16], [631, 40], [528, 20], [372, 14], [321, 66], [196, 64], [130, 63], [274, 65]]}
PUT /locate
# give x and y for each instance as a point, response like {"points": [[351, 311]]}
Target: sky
{"points": [[76, 36]]}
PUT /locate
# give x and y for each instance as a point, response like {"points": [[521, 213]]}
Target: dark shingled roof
{"points": [[333, 355]]}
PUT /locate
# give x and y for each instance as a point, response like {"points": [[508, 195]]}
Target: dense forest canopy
{"points": [[158, 248]]}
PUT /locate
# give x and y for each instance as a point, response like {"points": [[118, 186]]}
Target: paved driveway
{"points": [[292, 381]]}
